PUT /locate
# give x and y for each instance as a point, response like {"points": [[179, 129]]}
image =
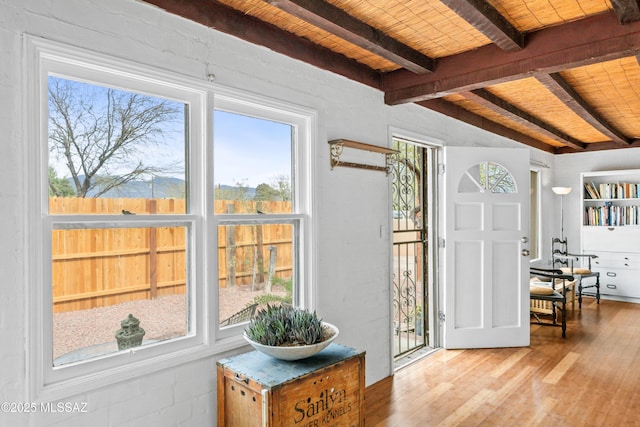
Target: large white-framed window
{"points": [[127, 233]]}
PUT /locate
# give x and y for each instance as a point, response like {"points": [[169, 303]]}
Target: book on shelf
{"points": [[591, 191], [614, 190], [612, 215]]}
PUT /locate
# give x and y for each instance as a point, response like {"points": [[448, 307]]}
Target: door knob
{"points": [[525, 252], [524, 239]]}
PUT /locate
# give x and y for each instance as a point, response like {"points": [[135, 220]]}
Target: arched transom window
{"points": [[487, 177]]}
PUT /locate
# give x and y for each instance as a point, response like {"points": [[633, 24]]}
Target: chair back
{"points": [[559, 252]]}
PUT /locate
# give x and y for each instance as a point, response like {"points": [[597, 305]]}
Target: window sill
{"points": [[83, 383]]}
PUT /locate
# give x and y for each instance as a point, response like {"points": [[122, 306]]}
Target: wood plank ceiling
{"points": [[559, 75]]}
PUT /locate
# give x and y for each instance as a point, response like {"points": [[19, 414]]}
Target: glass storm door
{"points": [[412, 188]]}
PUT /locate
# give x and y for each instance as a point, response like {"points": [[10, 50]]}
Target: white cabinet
{"points": [[611, 230], [619, 272]]}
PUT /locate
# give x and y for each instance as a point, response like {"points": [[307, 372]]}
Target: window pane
{"points": [[107, 143], [487, 177], [499, 179], [256, 266], [252, 163], [100, 276], [472, 181]]}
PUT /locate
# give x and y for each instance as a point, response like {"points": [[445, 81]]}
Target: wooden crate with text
{"points": [[326, 390]]}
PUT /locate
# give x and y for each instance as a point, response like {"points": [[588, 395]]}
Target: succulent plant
{"points": [[284, 325]]}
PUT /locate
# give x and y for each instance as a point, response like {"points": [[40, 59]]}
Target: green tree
{"points": [[265, 192], [239, 192], [59, 187], [282, 184]]}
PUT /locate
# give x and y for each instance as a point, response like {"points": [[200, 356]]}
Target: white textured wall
{"points": [[352, 205]]}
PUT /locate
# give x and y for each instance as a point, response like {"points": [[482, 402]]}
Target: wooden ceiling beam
{"points": [[339, 23], [215, 15], [626, 10], [486, 19], [598, 146], [584, 42], [494, 103], [549, 51], [567, 94], [451, 110]]}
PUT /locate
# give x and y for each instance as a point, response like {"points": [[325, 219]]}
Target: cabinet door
{"points": [[613, 239]]}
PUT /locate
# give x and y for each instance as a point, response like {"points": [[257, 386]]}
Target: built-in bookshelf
{"points": [[611, 230], [611, 198]]}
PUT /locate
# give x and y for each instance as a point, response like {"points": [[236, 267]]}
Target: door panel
{"points": [[505, 295], [486, 212], [468, 313]]}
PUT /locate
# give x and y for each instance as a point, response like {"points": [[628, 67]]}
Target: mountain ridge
{"points": [[157, 188]]}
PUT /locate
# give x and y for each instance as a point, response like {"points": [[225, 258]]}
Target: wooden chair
{"points": [[553, 292], [545, 307], [573, 264]]}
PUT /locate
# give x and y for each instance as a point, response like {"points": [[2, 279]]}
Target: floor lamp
{"points": [[561, 191]]}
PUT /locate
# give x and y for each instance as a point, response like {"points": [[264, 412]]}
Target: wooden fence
{"points": [[102, 267]]}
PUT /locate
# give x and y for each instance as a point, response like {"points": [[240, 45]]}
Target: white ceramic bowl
{"points": [[294, 352]]}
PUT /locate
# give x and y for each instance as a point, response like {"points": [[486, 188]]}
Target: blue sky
{"points": [[247, 150]]}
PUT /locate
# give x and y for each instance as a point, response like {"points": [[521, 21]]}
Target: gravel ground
{"points": [[162, 318]]}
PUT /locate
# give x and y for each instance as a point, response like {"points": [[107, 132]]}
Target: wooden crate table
{"points": [[322, 391]]}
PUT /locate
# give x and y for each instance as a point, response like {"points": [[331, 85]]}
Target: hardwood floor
{"points": [[591, 378]]}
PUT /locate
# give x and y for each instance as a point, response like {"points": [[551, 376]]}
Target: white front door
{"points": [[486, 262]]}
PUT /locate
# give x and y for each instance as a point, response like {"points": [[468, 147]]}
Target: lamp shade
{"points": [[561, 190]]}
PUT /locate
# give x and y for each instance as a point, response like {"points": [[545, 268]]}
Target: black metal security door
{"points": [[411, 186]]}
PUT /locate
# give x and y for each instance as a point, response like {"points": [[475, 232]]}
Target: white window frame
{"points": [[537, 236], [44, 57], [302, 122]]}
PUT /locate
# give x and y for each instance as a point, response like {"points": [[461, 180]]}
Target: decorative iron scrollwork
{"points": [[337, 146]]}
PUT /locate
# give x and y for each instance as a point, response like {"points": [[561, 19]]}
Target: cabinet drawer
{"points": [[619, 282], [604, 258], [629, 259], [621, 260]]}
